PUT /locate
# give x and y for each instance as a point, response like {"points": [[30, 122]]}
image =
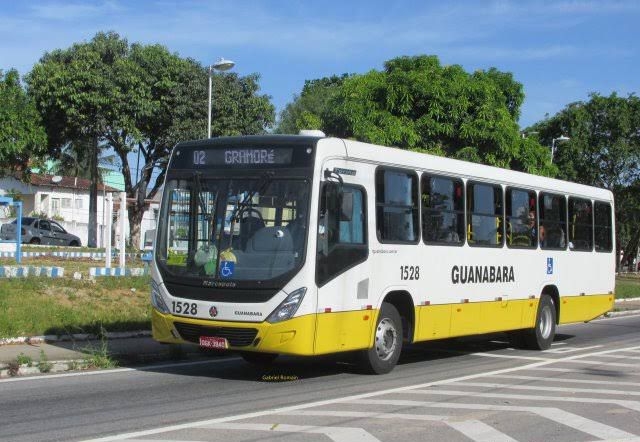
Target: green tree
{"points": [[81, 93], [603, 151], [417, 104], [138, 98], [173, 109], [23, 141], [312, 108]]}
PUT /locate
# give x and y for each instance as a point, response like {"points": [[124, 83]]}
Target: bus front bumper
{"points": [[295, 336]]}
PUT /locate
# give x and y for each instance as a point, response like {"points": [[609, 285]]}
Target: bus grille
{"points": [[237, 337]]}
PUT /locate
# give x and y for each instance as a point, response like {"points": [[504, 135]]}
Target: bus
{"points": [[310, 245]]}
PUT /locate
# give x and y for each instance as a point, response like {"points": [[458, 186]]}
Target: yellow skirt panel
{"points": [[584, 308], [334, 332], [344, 331]]}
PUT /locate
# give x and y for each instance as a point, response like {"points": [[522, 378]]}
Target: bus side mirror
{"points": [[346, 206]]}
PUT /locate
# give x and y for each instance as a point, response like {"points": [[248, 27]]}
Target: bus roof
{"points": [[252, 140], [447, 166]]}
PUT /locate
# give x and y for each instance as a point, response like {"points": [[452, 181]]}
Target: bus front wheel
{"points": [[384, 355], [541, 336]]}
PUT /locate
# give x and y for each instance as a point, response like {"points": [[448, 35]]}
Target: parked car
{"points": [[40, 231]]}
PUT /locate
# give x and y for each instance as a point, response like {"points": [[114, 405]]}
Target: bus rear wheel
{"points": [[259, 359], [541, 336], [384, 355]]}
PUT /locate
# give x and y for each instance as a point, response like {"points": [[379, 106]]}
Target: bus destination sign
{"points": [[257, 156]]}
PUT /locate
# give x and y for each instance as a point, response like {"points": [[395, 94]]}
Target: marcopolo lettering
{"points": [[481, 274]]}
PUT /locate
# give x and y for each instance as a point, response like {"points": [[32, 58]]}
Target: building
{"points": [[58, 197]]}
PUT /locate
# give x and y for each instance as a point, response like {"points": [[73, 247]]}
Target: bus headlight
{"points": [[288, 307], [156, 298]]}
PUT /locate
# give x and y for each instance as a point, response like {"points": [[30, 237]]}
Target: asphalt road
{"points": [[587, 387]]}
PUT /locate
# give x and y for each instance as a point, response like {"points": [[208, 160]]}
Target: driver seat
{"points": [[248, 227]]}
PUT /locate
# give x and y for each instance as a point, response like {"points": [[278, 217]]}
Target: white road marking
{"points": [[558, 343], [571, 370], [596, 429], [117, 370], [161, 440], [308, 405], [337, 434], [501, 356], [636, 358], [608, 364], [626, 439], [570, 349], [632, 405], [545, 388], [268, 412], [479, 431], [472, 428], [569, 381]]}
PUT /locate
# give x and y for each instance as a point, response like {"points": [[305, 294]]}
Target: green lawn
{"points": [[38, 306], [627, 287]]}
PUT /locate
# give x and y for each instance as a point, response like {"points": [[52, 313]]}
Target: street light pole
{"points": [[553, 144], [220, 65]]}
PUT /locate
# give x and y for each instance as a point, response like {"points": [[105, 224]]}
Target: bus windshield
{"points": [[249, 229]]}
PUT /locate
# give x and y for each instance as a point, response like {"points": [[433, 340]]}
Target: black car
{"points": [[40, 231]]}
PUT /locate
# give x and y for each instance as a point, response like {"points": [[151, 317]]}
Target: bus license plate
{"points": [[213, 342]]}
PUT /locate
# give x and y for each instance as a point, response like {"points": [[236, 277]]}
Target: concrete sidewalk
{"points": [[47, 357], [135, 350]]}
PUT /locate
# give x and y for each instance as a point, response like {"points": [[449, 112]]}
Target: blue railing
{"points": [[6, 201]]}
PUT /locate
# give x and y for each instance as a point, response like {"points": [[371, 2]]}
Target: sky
{"points": [[561, 51]]}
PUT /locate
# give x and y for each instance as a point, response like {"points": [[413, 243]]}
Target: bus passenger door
{"points": [[342, 269]]}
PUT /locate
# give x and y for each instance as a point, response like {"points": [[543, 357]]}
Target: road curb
{"points": [[8, 371], [621, 313], [26, 271], [117, 271], [73, 337]]}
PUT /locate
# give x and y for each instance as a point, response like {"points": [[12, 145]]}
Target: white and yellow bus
{"points": [[309, 245]]}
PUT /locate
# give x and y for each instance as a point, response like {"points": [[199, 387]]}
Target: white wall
{"points": [[51, 199], [70, 204]]}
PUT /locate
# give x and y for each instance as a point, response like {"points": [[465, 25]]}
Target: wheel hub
{"points": [[546, 319], [386, 339]]}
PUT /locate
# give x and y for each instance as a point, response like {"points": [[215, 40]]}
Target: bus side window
{"points": [[602, 227], [484, 214], [442, 210], [397, 206], [553, 221], [521, 211], [580, 224]]}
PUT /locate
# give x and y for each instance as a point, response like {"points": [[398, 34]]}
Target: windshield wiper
{"points": [[198, 189], [210, 219]]}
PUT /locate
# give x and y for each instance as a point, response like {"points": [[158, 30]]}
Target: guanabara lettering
{"points": [[243, 313], [481, 274]]}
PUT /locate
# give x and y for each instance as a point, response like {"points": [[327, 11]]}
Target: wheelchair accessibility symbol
{"points": [[227, 268]]}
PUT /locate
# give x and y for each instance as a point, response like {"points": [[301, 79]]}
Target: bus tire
{"points": [[541, 336], [259, 359], [384, 355]]}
